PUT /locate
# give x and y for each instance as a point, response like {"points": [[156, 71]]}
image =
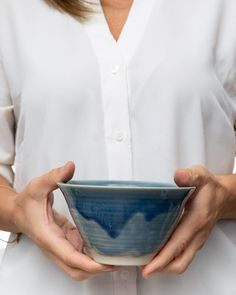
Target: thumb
{"points": [[66, 172], [48, 182], [193, 176]]}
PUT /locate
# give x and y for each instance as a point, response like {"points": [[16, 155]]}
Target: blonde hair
{"points": [[79, 9]]}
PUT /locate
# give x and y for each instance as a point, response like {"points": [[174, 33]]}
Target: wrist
{"points": [[227, 196], [14, 209], [8, 210]]}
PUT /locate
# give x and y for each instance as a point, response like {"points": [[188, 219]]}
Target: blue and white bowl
{"points": [[124, 222]]}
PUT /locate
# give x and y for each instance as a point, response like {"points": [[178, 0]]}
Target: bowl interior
{"points": [[121, 184]]}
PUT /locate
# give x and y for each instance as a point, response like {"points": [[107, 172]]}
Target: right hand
{"points": [[49, 230]]}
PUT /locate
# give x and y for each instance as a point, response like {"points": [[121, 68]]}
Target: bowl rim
{"points": [[165, 186]]}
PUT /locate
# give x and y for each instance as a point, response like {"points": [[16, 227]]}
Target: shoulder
{"points": [[15, 12], [19, 20], [11, 8], [225, 46], [227, 13], [226, 30]]}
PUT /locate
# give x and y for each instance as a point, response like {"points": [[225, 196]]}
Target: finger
{"points": [[74, 273], [50, 201], [70, 231], [180, 264], [65, 252], [184, 233], [40, 187], [193, 176], [74, 237]]}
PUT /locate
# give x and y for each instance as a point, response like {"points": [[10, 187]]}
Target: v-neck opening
{"points": [[130, 36], [122, 32]]}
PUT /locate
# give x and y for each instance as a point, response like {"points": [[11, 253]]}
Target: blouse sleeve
{"points": [[7, 150]]}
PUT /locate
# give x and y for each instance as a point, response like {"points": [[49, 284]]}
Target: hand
{"points": [[52, 232], [200, 215]]}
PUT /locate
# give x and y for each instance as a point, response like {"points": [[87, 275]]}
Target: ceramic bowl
{"points": [[124, 222]]}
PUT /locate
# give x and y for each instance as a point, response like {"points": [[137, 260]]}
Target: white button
{"points": [[115, 69], [119, 136], [125, 275]]}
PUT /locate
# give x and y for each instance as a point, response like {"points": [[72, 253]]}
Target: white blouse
{"points": [[162, 97]]}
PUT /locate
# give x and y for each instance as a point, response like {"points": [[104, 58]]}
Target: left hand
{"points": [[200, 215]]}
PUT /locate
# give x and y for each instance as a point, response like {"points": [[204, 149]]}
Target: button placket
{"points": [[125, 275], [119, 136], [115, 69], [125, 281], [115, 98], [116, 119]]}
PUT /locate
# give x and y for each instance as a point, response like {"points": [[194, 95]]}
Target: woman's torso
{"points": [[160, 98]]}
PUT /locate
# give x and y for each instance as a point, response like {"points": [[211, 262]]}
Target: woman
{"points": [[132, 90]]}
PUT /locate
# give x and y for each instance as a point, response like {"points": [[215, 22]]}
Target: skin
{"points": [[116, 13], [30, 211]]}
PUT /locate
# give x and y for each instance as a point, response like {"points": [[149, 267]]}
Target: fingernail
{"points": [[63, 168], [145, 276], [63, 171]]}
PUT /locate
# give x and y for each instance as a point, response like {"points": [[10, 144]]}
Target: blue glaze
{"points": [[136, 239], [113, 215]]}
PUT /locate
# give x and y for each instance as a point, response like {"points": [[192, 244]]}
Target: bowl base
{"points": [[120, 260]]}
